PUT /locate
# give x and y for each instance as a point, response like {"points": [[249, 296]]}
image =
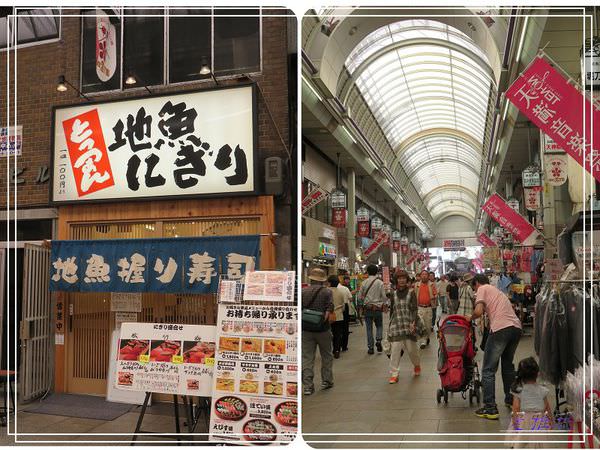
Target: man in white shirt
{"points": [[344, 287]]}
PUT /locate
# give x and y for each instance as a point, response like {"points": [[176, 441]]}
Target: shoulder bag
{"points": [[313, 320]]}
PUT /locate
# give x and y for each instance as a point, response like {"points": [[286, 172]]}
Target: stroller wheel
{"points": [[445, 396], [439, 395]]}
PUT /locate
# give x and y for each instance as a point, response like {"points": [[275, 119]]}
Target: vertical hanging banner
{"points": [[106, 47], [513, 222], [313, 198], [557, 108], [485, 240], [555, 169], [404, 245], [338, 217], [533, 198], [363, 229]]}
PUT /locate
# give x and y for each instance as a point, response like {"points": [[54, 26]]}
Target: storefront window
{"points": [[227, 39], [33, 25]]}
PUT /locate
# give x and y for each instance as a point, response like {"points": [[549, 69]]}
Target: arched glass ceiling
{"points": [[421, 75]]}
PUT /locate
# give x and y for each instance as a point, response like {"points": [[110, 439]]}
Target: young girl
{"points": [[531, 407]]}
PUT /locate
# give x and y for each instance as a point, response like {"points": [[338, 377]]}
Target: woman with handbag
{"points": [[403, 328]]}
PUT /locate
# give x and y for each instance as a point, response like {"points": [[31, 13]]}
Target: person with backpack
{"points": [[374, 301], [317, 314], [427, 302], [402, 331], [501, 344]]}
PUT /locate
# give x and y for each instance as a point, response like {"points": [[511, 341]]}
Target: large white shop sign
{"points": [[193, 143]]}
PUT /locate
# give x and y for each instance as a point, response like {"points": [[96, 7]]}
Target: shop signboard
{"points": [[314, 197], [553, 269], [531, 177], [11, 141], [485, 240], [255, 383], [492, 258], [396, 246], [385, 276], [187, 144], [338, 199], [126, 301], [388, 234], [363, 229], [453, 244], [404, 245], [533, 198], [590, 62], [270, 286], [179, 265], [555, 169], [362, 214], [558, 108], [375, 244], [376, 223], [338, 217], [106, 47], [510, 220], [513, 203], [550, 147], [166, 358]]}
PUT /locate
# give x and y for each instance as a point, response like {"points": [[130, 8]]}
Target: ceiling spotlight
{"points": [[61, 86]]}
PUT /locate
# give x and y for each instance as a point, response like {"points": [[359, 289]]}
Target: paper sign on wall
{"points": [[126, 301], [270, 286]]}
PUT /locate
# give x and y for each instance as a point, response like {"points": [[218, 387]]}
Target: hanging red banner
{"points": [[510, 220], [486, 241], [376, 243], [557, 108], [533, 198], [338, 217], [412, 259], [396, 246], [313, 198], [363, 229], [404, 249]]}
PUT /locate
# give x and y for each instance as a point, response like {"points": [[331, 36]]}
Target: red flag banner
{"points": [[313, 198], [557, 108], [510, 220], [486, 241], [376, 243]]}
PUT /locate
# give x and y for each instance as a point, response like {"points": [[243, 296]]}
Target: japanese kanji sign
{"points": [[11, 140], [557, 108], [453, 244], [166, 358], [376, 243], [175, 265], [313, 198], [510, 220], [197, 143], [485, 240]]}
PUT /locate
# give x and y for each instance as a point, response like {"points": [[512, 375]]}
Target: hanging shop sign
{"points": [[453, 244], [194, 143], [338, 199], [166, 358], [590, 62], [314, 197], [396, 236], [510, 220], [555, 106], [413, 248], [388, 235], [385, 277], [272, 286], [412, 259], [531, 177], [404, 245], [555, 169], [492, 258], [532, 198], [179, 265], [327, 250], [106, 47], [549, 145], [363, 229], [338, 217], [485, 240], [255, 382], [376, 223], [362, 214], [375, 244], [11, 141], [513, 203]]}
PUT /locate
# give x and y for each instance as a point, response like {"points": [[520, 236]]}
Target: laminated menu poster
{"points": [[255, 382], [166, 358], [270, 286]]}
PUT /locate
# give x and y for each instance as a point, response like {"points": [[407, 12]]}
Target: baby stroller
{"points": [[456, 359]]}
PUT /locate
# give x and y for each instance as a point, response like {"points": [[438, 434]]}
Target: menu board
{"points": [[166, 358], [255, 382], [270, 286]]}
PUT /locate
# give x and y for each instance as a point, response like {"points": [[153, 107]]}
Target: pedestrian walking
{"points": [[453, 294], [433, 282], [345, 288], [337, 325], [374, 300], [443, 294], [317, 297], [402, 332], [426, 297], [466, 297], [501, 344]]}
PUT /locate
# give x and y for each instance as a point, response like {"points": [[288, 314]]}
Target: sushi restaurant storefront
{"points": [[157, 200]]}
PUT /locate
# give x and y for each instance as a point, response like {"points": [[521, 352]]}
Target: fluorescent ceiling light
{"points": [[310, 86], [522, 40], [348, 133]]}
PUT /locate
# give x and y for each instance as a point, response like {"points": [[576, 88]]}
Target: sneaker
{"points": [[309, 390], [336, 355], [417, 371], [326, 385], [370, 351], [488, 412], [379, 346], [393, 380]]}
